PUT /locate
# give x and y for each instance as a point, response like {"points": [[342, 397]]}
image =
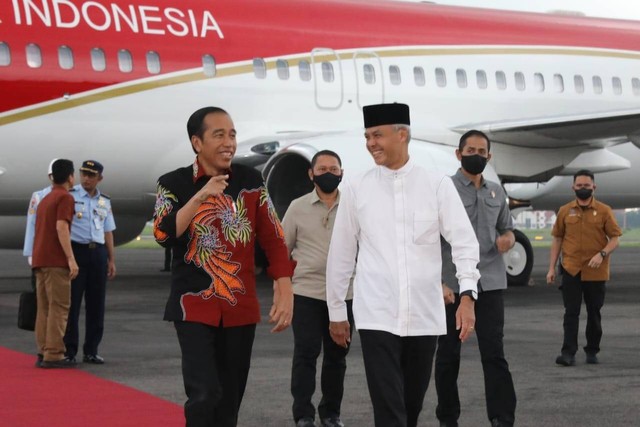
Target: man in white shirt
{"points": [[392, 217]]}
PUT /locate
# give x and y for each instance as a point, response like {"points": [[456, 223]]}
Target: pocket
{"points": [[426, 229]]}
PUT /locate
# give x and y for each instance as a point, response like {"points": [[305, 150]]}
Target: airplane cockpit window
{"points": [[635, 84], [578, 82], [369, 74], [125, 61], [394, 75], [441, 77], [327, 72], [538, 82], [65, 57], [501, 80], [153, 62], [259, 68], [304, 68], [34, 56], [208, 65], [481, 79], [98, 59], [5, 54], [558, 83], [617, 85], [461, 78], [418, 76], [282, 67], [597, 85], [520, 84]]}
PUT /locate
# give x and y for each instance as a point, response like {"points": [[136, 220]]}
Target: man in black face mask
{"points": [[308, 225], [486, 206], [586, 232]]}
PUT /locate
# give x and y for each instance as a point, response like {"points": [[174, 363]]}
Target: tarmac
{"points": [[142, 351]]}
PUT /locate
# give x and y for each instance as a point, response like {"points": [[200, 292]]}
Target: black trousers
{"points": [[310, 335], [398, 370], [91, 283], [499, 392], [573, 290], [215, 367]]}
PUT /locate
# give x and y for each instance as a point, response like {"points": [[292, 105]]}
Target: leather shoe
{"points": [[93, 358], [592, 359], [67, 362], [566, 360], [331, 422], [306, 422]]}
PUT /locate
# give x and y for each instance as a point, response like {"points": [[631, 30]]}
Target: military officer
{"points": [[92, 243]]}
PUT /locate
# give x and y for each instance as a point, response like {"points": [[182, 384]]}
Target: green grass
{"points": [[144, 241]]}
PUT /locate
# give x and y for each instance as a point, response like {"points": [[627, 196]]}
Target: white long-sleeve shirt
{"points": [[392, 221]]}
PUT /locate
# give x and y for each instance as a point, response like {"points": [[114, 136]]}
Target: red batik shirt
{"points": [[212, 276]]}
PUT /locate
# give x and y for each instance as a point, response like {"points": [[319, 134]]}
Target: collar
{"points": [[314, 198], [83, 193], [392, 173], [460, 176], [593, 204], [198, 171]]}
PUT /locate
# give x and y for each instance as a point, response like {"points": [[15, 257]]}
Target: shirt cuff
{"points": [[468, 285], [338, 314]]}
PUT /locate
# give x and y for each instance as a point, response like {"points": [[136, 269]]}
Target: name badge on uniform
{"points": [[97, 222]]}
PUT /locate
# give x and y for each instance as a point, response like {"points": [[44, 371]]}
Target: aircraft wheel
{"points": [[519, 260]]}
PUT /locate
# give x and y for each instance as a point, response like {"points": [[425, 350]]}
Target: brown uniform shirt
{"points": [[47, 250], [585, 231]]}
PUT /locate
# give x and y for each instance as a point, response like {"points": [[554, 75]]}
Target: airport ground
{"points": [[142, 351]]}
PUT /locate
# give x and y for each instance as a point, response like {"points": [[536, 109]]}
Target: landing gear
{"points": [[519, 261]]}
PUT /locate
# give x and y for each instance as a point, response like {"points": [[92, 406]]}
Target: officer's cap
{"points": [[91, 166]]}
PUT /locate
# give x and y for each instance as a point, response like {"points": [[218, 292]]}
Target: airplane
{"points": [[116, 80]]}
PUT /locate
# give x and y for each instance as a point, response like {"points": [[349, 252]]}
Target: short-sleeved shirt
{"points": [[93, 216], [585, 231], [213, 281], [47, 250], [490, 217], [308, 225]]}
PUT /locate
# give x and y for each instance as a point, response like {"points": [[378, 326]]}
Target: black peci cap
{"points": [[386, 114]]}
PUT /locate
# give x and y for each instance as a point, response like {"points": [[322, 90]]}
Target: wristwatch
{"points": [[470, 293], [603, 254]]}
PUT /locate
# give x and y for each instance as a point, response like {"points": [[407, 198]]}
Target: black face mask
{"points": [[327, 182], [474, 164], [584, 193]]}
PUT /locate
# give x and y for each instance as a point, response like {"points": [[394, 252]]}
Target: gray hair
{"points": [[399, 126]]}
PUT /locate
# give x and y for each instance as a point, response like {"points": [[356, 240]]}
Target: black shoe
{"points": [[448, 424], [67, 362], [39, 360], [592, 359], [566, 360], [93, 358], [331, 422], [306, 422]]}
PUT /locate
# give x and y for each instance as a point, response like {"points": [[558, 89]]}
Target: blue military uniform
{"points": [[30, 230], [93, 218]]}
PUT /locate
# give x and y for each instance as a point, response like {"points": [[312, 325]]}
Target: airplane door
{"points": [[369, 78], [327, 78]]}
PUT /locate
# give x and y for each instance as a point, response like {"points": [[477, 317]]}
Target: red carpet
{"points": [[32, 397]]}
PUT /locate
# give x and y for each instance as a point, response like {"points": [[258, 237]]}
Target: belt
{"points": [[90, 245]]}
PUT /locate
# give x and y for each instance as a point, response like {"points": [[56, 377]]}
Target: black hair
{"points": [[195, 124], [584, 172], [61, 170], [314, 159], [470, 133]]}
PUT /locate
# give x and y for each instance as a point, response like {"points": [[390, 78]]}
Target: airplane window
{"points": [[578, 82], [481, 79], [153, 62], [597, 85], [5, 54], [635, 84], [304, 68], [558, 83], [259, 68], [98, 60], [394, 75], [418, 76], [617, 85], [125, 61], [282, 67], [65, 57], [327, 72], [441, 77], [369, 74], [520, 83], [501, 80], [461, 77], [538, 82], [34, 56], [208, 65]]}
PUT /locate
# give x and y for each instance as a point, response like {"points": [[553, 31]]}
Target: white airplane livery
{"points": [[115, 81]]}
